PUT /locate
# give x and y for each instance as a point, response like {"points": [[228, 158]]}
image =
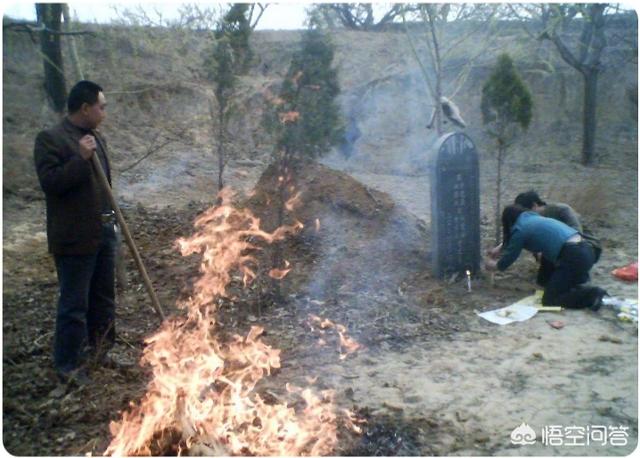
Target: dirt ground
{"points": [[432, 379]]}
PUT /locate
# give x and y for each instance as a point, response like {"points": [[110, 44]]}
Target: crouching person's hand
{"points": [[491, 264], [494, 253]]}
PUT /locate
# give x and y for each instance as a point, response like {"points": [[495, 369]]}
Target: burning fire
{"points": [[346, 345], [279, 274], [289, 117], [293, 202], [202, 398]]}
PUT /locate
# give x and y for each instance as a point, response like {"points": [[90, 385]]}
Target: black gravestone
{"points": [[455, 206]]}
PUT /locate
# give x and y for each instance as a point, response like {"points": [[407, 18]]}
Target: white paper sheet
{"points": [[518, 311]]}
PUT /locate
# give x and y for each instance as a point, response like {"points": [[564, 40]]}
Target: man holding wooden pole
{"points": [[74, 172]]}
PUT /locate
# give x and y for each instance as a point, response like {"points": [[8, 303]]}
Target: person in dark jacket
{"points": [[559, 244], [81, 232]]}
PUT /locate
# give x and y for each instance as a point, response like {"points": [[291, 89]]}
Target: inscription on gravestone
{"points": [[455, 206]]}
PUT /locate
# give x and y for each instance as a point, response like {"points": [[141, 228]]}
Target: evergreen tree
{"points": [[236, 27], [506, 110], [306, 117], [230, 57], [221, 73]]}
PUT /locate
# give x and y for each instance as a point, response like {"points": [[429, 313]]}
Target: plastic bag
{"points": [[627, 273]]}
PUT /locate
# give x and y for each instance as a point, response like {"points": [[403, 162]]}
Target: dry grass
{"points": [[592, 198]]}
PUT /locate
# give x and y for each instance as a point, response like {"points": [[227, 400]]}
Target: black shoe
{"points": [[596, 298]]}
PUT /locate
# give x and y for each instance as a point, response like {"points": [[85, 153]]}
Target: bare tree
{"points": [[71, 42], [49, 28], [436, 18], [583, 51], [356, 16], [256, 10], [50, 18]]}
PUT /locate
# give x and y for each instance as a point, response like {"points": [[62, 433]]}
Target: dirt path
{"points": [[482, 386]]}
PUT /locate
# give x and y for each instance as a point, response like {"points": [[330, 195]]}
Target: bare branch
{"points": [[464, 38], [262, 10], [31, 29], [427, 78], [426, 20], [521, 20], [170, 136]]}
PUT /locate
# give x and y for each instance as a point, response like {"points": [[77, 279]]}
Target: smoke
{"points": [[392, 114], [360, 265], [178, 174]]}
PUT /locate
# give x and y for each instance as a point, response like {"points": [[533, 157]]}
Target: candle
{"points": [[468, 281]]}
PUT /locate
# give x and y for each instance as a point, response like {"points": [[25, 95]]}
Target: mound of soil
{"points": [[354, 239]]}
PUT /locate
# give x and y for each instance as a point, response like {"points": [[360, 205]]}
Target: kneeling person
{"points": [[559, 244]]}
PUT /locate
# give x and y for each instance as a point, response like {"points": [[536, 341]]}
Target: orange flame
{"points": [[293, 202], [271, 97], [279, 274], [203, 388], [346, 345], [288, 117]]}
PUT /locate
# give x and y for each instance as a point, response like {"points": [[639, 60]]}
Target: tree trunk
{"points": [[438, 70], [562, 96], [589, 116], [73, 50], [438, 96], [277, 247], [50, 15], [499, 192], [221, 136]]}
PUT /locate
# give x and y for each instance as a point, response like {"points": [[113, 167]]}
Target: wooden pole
{"points": [[127, 235]]}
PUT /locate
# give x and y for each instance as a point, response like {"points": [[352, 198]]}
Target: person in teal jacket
{"points": [[558, 244]]}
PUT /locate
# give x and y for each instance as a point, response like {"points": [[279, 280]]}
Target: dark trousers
{"points": [[545, 271], [570, 272], [86, 307]]}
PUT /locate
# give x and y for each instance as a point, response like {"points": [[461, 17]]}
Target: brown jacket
{"points": [[72, 190]]}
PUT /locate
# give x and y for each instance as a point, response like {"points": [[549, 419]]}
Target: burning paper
{"points": [[346, 345], [279, 274], [201, 398], [293, 202]]}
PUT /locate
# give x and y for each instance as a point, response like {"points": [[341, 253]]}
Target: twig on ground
{"points": [[126, 342]]}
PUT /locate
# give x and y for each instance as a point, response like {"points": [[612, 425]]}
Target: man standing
{"points": [[80, 232]]}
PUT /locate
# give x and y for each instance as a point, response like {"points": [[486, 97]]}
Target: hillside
{"points": [[156, 88]]}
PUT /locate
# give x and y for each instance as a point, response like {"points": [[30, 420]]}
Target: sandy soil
{"points": [[434, 377], [489, 380]]}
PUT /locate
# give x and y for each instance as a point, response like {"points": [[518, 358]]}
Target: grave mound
{"points": [[354, 238]]}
